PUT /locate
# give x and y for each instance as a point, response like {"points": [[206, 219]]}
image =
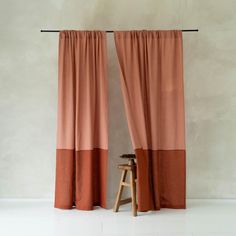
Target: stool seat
{"points": [[126, 167]]}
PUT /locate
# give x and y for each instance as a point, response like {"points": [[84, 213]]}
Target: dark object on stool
{"points": [[128, 156], [131, 167]]}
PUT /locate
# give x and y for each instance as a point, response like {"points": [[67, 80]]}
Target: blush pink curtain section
{"points": [[151, 65], [82, 137], [82, 110]]}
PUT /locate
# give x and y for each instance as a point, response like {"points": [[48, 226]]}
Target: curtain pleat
{"points": [[151, 66], [82, 137]]}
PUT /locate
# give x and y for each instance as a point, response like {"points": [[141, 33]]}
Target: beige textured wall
{"points": [[28, 88]]}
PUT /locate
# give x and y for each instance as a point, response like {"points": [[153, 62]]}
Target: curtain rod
{"points": [[111, 31]]}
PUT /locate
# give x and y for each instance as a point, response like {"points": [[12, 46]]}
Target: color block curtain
{"points": [[151, 65], [81, 158]]}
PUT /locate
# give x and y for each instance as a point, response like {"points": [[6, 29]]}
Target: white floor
{"points": [[39, 218]]}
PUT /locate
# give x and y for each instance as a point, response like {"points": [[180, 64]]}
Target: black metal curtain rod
{"points": [[111, 31]]}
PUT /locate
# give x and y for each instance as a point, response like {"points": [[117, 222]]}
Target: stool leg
{"points": [[133, 192], [121, 187]]}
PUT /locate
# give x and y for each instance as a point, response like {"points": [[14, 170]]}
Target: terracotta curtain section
{"points": [[82, 137], [151, 65]]}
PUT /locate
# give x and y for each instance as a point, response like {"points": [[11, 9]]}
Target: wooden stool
{"points": [[131, 167]]}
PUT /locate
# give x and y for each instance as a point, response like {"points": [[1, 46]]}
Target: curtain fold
{"points": [[151, 67], [82, 137]]}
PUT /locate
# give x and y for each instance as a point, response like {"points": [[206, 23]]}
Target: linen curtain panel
{"points": [[151, 65], [82, 139]]}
